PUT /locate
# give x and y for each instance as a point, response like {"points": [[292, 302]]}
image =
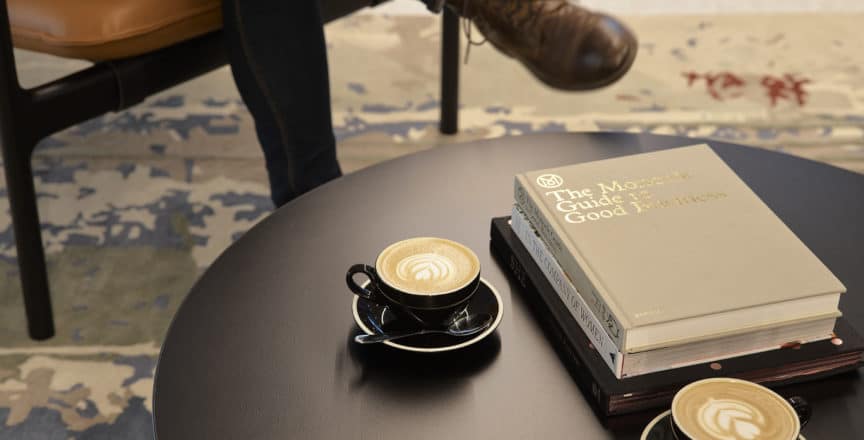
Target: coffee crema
{"points": [[728, 409], [427, 265]]}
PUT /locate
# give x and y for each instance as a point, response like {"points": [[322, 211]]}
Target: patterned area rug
{"points": [[136, 204]]}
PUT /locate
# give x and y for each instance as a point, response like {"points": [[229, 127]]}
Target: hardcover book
{"points": [[612, 396], [672, 247], [665, 358]]}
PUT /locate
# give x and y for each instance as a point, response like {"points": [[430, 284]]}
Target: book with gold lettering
{"points": [[624, 364], [671, 248], [586, 361]]}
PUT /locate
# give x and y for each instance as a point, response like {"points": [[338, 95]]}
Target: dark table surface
{"points": [[260, 348]]}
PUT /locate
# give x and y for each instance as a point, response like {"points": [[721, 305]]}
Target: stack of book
{"points": [[658, 269]]}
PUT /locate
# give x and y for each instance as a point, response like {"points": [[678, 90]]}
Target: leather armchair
{"points": [[140, 47], [100, 30]]}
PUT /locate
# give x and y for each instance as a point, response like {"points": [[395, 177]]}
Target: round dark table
{"points": [[260, 348]]}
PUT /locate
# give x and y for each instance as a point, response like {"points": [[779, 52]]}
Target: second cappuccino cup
{"points": [[725, 408], [429, 278]]}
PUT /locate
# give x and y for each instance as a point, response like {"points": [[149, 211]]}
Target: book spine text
{"points": [[570, 296], [562, 343], [527, 202]]}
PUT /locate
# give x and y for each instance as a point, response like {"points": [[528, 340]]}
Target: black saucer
{"points": [[659, 428], [373, 318]]}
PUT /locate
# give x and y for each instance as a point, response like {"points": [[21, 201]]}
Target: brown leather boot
{"points": [[564, 45]]}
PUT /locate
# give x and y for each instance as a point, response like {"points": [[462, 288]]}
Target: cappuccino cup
{"points": [[734, 409], [428, 278]]}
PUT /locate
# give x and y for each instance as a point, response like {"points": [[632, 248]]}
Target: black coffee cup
{"points": [[427, 278]]}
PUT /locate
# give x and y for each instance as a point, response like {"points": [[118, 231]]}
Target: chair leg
{"points": [[17, 140], [449, 72], [28, 238]]}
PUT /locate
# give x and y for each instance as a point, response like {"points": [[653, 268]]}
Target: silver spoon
{"points": [[467, 325]]}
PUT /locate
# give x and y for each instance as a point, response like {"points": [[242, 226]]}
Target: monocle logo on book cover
{"points": [[620, 197], [549, 181]]}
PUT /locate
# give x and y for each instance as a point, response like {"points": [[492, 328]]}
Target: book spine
{"points": [[575, 303], [531, 283], [526, 201]]}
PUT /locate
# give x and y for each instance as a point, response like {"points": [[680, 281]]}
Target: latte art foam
{"points": [[733, 419], [427, 265], [733, 410]]}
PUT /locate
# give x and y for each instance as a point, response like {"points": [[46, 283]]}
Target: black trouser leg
{"points": [[279, 61]]}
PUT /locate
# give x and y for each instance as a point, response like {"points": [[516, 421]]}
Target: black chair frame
{"points": [[30, 115]]}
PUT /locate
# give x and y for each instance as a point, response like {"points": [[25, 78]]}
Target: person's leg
{"points": [[279, 62]]}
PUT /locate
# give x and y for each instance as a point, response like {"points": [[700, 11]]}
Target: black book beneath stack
{"points": [[614, 396]]}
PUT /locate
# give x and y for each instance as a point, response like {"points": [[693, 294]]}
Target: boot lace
{"points": [[519, 14], [466, 28]]}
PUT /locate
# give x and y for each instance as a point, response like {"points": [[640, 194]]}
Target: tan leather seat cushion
{"points": [[109, 29]]}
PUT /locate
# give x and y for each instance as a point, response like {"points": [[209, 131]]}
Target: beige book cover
{"points": [[668, 235]]}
